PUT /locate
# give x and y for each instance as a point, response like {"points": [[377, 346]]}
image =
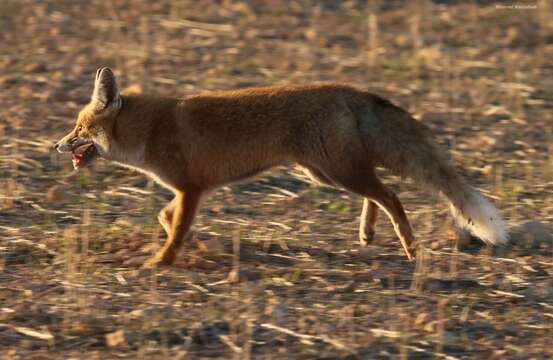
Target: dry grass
{"points": [[291, 281]]}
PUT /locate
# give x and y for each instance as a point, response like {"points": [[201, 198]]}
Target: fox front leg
{"points": [[186, 205], [165, 216]]}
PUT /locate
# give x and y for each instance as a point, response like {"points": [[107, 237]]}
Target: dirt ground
{"points": [[288, 278]]}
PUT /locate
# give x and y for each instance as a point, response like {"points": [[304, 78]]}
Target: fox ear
{"points": [[106, 92]]}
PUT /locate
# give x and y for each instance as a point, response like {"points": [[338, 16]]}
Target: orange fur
{"points": [[336, 133]]}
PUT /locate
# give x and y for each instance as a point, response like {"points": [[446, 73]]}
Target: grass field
{"points": [[288, 279]]}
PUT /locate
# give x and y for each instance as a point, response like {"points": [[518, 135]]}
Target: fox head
{"points": [[93, 131]]}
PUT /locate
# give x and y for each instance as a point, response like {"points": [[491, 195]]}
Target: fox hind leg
{"points": [[367, 221], [365, 183], [389, 202], [368, 214]]}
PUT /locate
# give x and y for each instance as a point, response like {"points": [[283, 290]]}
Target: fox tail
{"points": [[404, 145], [476, 214]]}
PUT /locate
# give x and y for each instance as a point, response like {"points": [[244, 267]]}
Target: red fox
{"points": [[336, 133]]}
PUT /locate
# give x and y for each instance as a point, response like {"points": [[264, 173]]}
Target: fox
{"points": [[336, 133]]}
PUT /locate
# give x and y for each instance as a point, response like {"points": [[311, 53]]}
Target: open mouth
{"points": [[83, 155]]}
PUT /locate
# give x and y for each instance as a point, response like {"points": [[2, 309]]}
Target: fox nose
{"points": [[56, 146]]}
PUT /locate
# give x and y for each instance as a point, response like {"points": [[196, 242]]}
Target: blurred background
{"points": [[288, 278]]}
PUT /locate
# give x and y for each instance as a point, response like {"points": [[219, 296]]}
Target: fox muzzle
{"points": [[70, 143]]}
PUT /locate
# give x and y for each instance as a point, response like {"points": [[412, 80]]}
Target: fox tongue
{"points": [[76, 157]]}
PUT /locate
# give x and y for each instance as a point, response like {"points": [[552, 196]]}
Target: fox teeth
{"points": [[75, 159]]}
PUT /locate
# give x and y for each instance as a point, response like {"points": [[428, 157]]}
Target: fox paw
{"points": [[366, 237], [151, 263], [412, 250], [159, 259]]}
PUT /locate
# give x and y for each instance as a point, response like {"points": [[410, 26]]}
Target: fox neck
{"points": [[128, 136], [124, 140], [128, 139], [133, 157]]}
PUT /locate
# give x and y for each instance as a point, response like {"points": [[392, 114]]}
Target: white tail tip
{"points": [[482, 219]]}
